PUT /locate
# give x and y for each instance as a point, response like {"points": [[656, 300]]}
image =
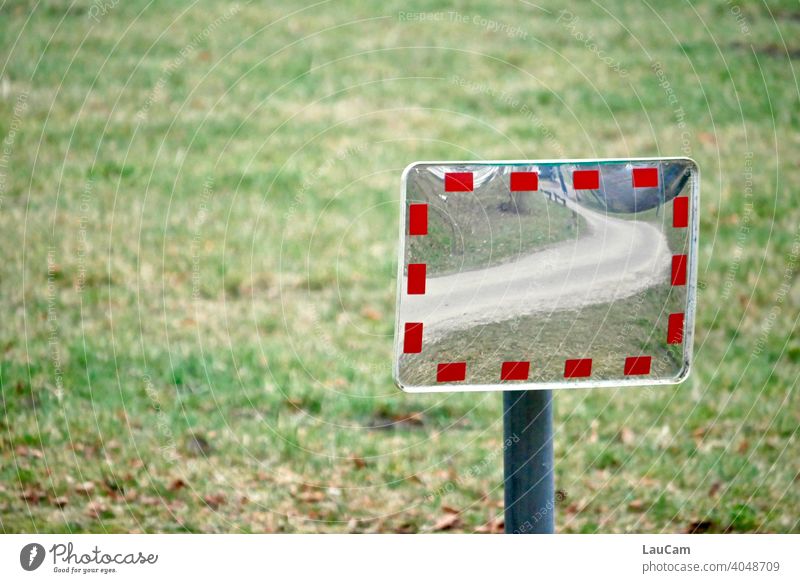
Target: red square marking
{"points": [[675, 329], [515, 371], [523, 181], [586, 179], [458, 182], [645, 177], [680, 212], [448, 372], [577, 368], [416, 278], [418, 219], [679, 270], [637, 365], [412, 338]]}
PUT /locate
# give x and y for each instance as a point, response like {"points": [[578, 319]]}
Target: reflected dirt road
{"points": [[614, 260]]}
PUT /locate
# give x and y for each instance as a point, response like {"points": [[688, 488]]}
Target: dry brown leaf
{"points": [[414, 419], [447, 522], [714, 489], [85, 488], [744, 445], [359, 462], [95, 508], [198, 445], [25, 451], [449, 509], [699, 527], [636, 505], [311, 496], [492, 526], [32, 495], [707, 138], [626, 436], [214, 500], [594, 435], [371, 313], [60, 501], [176, 484]]}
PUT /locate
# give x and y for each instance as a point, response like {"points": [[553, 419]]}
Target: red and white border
{"points": [[451, 376]]}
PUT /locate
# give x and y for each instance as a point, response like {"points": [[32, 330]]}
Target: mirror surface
{"points": [[547, 274]]}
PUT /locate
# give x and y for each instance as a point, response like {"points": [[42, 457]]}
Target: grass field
{"points": [[198, 220]]}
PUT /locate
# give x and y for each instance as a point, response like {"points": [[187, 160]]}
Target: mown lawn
{"points": [[198, 219]]}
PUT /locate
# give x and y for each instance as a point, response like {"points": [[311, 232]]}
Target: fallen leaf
{"points": [[409, 419], [85, 488], [626, 436], [96, 508], [449, 509], [198, 445], [415, 478], [60, 501], [447, 522], [699, 527], [707, 138], [636, 505], [371, 313], [32, 495], [714, 489], [404, 528], [176, 484], [25, 451], [214, 500], [311, 496], [492, 526], [594, 436], [388, 422], [744, 445], [358, 462]]}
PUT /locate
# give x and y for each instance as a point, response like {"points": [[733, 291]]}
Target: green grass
{"points": [[549, 339], [198, 220], [485, 228]]}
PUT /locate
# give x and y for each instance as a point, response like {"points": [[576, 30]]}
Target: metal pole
{"points": [[528, 462]]}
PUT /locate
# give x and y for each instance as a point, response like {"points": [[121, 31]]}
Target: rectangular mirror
{"points": [[546, 274]]}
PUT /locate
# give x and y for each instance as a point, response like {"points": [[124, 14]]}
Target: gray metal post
{"points": [[528, 462]]}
